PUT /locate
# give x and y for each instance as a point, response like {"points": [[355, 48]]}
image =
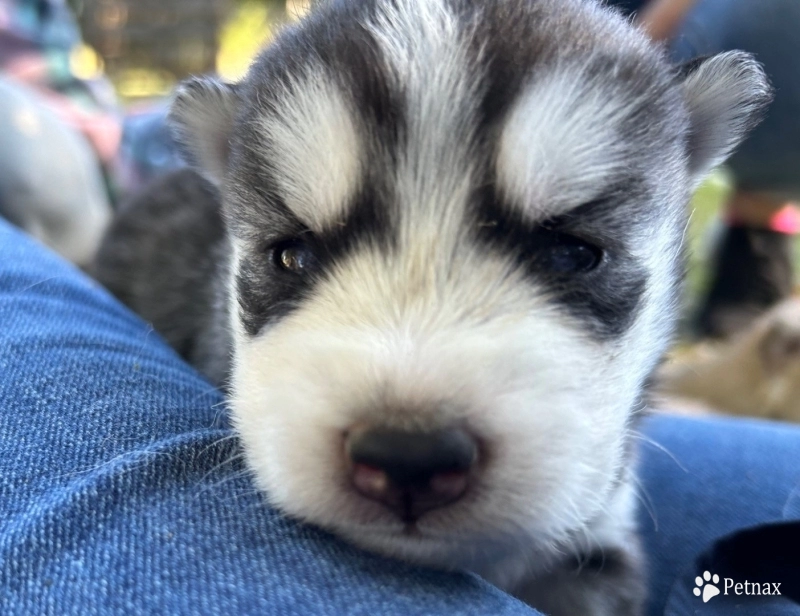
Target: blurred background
{"points": [[117, 61], [146, 46], [84, 89], [107, 67]]}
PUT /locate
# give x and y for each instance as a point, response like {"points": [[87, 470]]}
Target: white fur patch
{"points": [[561, 143], [314, 144], [428, 56]]}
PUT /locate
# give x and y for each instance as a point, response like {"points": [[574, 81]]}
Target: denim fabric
{"points": [[122, 489], [704, 479]]}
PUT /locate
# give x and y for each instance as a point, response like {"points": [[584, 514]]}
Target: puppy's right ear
{"points": [[202, 115], [726, 95]]}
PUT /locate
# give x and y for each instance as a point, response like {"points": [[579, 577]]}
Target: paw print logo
{"points": [[706, 587]]}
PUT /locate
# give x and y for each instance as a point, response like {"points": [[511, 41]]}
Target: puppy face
{"points": [[455, 218]]}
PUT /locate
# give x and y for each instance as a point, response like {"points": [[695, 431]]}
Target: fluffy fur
{"points": [[438, 160]]}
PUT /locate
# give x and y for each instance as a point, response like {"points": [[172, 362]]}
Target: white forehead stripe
{"points": [[316, 150], [561, 143], [427, 55]]}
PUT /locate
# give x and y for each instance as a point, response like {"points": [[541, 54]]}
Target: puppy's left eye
{"points": [[567, 254], [294, 256]]}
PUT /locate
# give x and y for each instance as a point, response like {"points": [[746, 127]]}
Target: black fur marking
{"points": [[267, 292], [165, 257], [608, 561], [368, 222], [503, 25], [605, 581], [609, 294], [350, 54]]}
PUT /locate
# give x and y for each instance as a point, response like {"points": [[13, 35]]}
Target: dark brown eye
{"points": [[570, 255], [293, 256]]}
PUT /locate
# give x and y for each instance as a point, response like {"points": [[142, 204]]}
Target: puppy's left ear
{"points": [[202, 115], [726, 96]]}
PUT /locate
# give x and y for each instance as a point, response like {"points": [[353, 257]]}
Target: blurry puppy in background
{"points": [[434, 261], [756, 373]]}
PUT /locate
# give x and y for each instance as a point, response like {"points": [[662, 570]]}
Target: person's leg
{"points": [[703, 479], [122, 490]]}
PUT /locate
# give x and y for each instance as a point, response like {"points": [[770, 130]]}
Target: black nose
{"points": [[411, 472]]}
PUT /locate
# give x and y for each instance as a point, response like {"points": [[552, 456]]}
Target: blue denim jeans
{"points": [[122, 488]]}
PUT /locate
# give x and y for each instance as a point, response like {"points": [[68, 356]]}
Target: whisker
{"points": [[645, 439]]}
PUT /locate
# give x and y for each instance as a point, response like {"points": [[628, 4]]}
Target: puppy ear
{"points": [[726, 96], [202, 115]]}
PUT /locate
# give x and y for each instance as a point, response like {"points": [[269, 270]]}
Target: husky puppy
{"points": [[451, 264]]}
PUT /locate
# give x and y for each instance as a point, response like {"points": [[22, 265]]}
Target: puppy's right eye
{"points": [[567, 254], [293, 256]]}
